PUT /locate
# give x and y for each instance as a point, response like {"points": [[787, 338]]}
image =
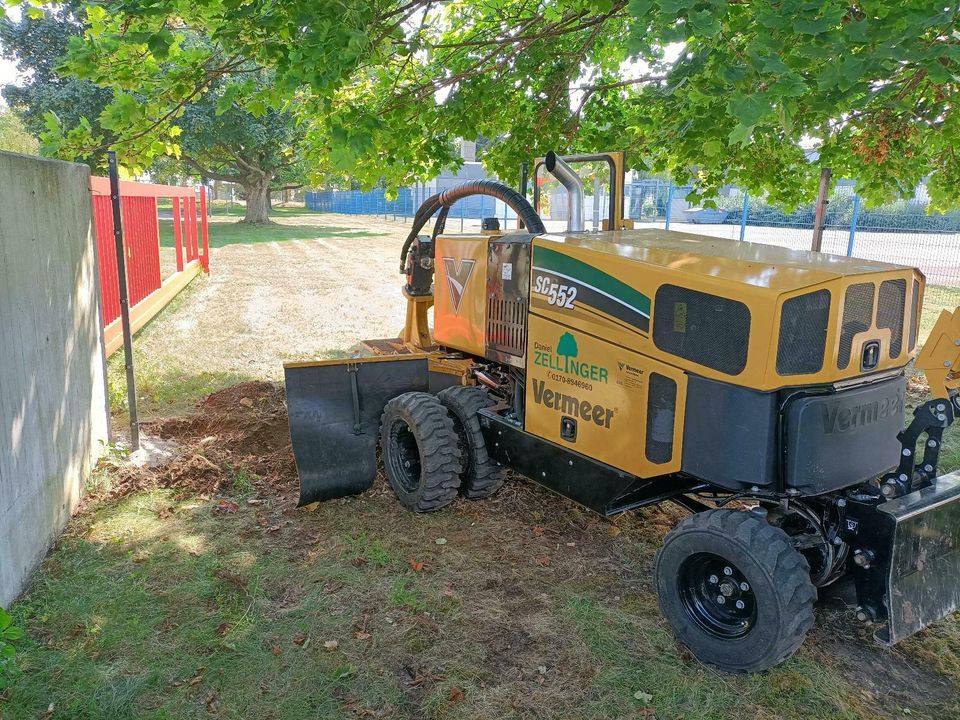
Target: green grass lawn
{"points": [[157, 606], [222, 234]]}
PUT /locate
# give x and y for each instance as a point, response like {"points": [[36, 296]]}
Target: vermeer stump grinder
{"points": [[758, 387]]}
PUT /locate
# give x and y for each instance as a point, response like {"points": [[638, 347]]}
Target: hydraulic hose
{"points": [[514, 200]]}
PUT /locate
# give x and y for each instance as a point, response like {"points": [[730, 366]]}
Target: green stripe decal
{"points": [[558, 262]]}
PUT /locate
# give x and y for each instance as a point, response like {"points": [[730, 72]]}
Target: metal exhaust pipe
{"points": [[571, 181]]}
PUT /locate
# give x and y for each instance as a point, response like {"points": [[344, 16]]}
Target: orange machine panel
{"points": [[459, 290]]}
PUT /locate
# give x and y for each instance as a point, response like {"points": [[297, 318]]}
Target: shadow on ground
{"points": [[199, 590]]}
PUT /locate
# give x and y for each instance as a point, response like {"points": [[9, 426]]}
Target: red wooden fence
{"points": [[149, 292]]}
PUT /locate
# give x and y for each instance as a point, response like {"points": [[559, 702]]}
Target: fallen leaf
{"points": [[648, 713], [362, 635], [331, 644], [448, 594], [415, 566], [299, 639], [543, 560], [223, 628], [358, 561], [226, 506], [311, 507], [212, 702], [542, 669], [441, 541], [538, 530], [254, 501], [456, 695], [613, 530], [273, 528], [277, 650], [642, 696], [246, 402]]}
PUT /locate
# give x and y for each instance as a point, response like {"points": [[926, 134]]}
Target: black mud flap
{"points": [[334, 409], [913, 563]]}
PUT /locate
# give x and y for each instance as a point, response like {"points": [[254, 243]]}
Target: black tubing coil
{"points": [[514, 200]]}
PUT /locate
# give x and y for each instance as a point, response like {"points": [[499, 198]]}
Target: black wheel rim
{"points": [[717, 596], [404, 456]]}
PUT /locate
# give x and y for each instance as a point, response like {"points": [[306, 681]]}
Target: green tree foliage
{"points": [[710, 90], [13, 136], [223, 141], [37, 45], [213, 137]]}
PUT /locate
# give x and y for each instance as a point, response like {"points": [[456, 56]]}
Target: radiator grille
{"points": [[506, 324], [707, 329], [891, 302], [661, 416], [803, 333], [914, 316], [857, 317]]}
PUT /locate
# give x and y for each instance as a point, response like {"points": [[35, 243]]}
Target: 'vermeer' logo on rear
{"points": [[458, 274]]}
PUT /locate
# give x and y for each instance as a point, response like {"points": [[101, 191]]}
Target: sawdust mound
{"points": [[239, 430]]}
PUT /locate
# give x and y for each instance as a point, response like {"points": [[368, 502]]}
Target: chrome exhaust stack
{"points": [[571, 181]]}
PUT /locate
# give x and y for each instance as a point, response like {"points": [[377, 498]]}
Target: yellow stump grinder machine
{"points": [[758, 387]]}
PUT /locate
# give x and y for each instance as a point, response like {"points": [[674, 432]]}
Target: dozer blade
{"points": [[916, 563], [334, 409]]}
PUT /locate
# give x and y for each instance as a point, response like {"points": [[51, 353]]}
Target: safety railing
{"points": [[158, 268]]}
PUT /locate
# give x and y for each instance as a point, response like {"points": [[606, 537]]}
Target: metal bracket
{"points": [[931, 418], [353, 369]]}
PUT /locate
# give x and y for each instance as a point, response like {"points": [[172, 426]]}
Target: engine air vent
{"points": [[803, 333], [891, 302], [857, 317], [708, 329]]}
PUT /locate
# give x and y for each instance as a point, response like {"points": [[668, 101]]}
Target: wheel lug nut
{"points": [[714, 579], [721, 599], [744, 586], [740, 605], [728, 571]]}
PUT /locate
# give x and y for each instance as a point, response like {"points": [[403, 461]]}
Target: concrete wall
{"points": [[53, 407]]}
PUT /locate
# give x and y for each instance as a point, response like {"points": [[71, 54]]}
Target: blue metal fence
{"points": [[375, 202]]}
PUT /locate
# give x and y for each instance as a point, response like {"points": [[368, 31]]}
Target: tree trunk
{"points": [[257, 191]]}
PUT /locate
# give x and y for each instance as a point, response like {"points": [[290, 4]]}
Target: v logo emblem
{"points": [[457, 276]]}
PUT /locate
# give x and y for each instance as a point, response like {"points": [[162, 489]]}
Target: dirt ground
{"points": [[520, 606], [273, 301]]}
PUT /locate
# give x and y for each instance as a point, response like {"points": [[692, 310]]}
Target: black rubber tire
{"points": [[482, 476], [419, 424], [777, 576]]}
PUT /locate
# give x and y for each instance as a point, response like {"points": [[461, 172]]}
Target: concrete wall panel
{"points": [[53, 401]]}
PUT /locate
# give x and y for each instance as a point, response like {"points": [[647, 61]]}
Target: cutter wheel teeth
{"points": [[420, 450], [482, 476]]}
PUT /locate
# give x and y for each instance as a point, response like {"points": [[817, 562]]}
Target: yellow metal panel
{"points": [[460, 292], [604, 388], [756, 264], [618, 285], [616, 302]]}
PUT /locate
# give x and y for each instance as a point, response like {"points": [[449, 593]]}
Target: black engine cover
{"points": [[843, 438]]}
